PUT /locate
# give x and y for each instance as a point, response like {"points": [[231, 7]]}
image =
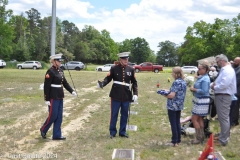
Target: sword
{"points": [[129, 107], [65, 58]]}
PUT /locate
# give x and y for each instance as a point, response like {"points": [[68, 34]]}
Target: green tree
{"points": [[152, 57], [167, 55], [91, 37], [234, 48], [20, 47], [194, 47], [5, 14], [140, 50], [33, 31], [81, 52], [204, 40], [101, 47], [6, 37], [66, 53], [125, 46], [70, 33], [6, 31], [111, 47]]}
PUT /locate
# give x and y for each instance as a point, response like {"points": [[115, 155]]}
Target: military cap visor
{"points": [[56, 56], [124, 55]]}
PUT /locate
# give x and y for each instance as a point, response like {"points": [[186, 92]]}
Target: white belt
{"points": [[122, 83], [56, 85]]}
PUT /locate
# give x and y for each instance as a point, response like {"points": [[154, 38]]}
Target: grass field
{"points": [[86, 120]]}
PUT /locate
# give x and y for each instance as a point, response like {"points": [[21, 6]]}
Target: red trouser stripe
{"points": [[49, 115]]}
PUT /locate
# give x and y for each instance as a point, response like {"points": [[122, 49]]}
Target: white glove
{"points": [[47, 103], [74, 93], [135, 98], [98, 86]]}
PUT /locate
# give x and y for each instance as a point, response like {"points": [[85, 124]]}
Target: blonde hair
{"points": [[178, 73], [205, 66], [51, 60], [205, 61]]}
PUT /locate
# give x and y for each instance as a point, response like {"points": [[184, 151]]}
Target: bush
{"points": [[45, 65], [11, 65]]}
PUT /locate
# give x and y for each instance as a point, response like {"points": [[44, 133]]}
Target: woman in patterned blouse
{"points": [[175, 104]]}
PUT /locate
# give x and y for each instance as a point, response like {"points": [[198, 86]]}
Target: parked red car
{"points": [[148, 66]]}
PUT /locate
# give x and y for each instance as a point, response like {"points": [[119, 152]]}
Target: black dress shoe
{"points": [[111, 136], [123, 135], [43, 134], [60, 138], [234, 124]]}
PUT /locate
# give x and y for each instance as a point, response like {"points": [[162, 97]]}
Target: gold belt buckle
{"points": [[123, 83]]}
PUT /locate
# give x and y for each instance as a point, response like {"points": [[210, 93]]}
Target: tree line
{"points": [[28, 37]]}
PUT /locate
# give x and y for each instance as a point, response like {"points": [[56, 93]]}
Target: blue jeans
{"points": [[174, 119]]}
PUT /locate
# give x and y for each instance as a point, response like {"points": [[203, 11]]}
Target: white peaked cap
{"points": [[56, 56], [123, 54]]}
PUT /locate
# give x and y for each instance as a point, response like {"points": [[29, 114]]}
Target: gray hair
{"points": [[222, 57]]}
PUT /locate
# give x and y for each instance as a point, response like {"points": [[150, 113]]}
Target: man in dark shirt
{"points": [[121, 94], [235, 109]]}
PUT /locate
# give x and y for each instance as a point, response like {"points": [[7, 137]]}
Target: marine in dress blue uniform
{"points": [[53, 96], [121, 95]]}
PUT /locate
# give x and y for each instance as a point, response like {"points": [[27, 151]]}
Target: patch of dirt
{"points": [[29, 137], [92, 89], [10, 88], [73, 126]]}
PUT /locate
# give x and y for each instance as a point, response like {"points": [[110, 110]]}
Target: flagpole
{"points": [[53, 30]]}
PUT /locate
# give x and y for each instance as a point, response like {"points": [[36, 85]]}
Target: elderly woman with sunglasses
{"points": [[201, 101]]}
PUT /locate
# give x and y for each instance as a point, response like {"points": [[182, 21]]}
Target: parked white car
{"points": [[189, 69], [105, 68], [2, 63], [29, 64]]}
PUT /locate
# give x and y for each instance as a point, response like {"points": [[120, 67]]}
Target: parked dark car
{"points": [[74, 65], [131, 64]]}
